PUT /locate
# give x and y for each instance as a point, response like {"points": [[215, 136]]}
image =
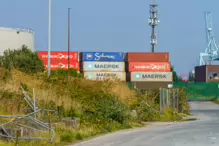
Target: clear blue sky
{"points": [[117, 25]]}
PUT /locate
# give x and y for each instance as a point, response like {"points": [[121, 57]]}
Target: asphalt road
{"points": [[202, 132]]}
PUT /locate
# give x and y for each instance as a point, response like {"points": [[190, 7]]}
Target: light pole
{"points": [[69, 40], [49, 37]]}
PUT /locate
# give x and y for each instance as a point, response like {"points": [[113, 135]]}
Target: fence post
{"points": [[160, 90], [167, 98], [177, 101]]}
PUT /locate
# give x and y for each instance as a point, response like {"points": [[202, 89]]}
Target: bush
{"points": [[5, 75], [107, 108], [23, 59], [183, 102]]}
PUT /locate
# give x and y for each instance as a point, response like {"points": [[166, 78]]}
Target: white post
{"points": [[34, 102], [49, 36]]}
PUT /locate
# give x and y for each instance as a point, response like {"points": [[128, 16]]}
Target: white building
{"points": [[14, 38]]}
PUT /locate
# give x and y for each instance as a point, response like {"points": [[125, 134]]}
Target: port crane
{"points": [[211, 53]]}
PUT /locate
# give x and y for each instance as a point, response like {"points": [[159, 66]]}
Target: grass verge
{"points": [[102, 107]]}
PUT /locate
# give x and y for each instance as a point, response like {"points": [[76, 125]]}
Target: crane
{"points": [[211, 52]]}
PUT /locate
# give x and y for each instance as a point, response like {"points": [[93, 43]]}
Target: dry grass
{"points": [[76, 95], [119, 89]]}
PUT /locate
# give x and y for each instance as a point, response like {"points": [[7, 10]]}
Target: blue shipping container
{"points": [[103, 56]]}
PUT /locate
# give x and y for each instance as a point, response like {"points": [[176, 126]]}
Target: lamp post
{"points": [[69, 11], [49, 37]]}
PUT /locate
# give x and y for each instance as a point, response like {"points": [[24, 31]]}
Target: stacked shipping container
{"points": [[145, 70], [149, 69], [102, 65], [59, 60]]}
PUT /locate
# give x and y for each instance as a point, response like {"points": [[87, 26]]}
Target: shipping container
{"points": [[62, 64], [148, 57], [103, 66], [151, 85], [104, 75], [151, 76], [149, 67], [207, 73], [103, 56], [59, 56]]}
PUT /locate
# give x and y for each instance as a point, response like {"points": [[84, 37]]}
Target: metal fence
{"points": [[169, 98], [200, 91]]}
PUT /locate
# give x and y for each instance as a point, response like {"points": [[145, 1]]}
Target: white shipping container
{"points": [[104, 66], [152, 76], [104, 75]]}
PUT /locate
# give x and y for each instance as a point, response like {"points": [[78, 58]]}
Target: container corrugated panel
{"points": [[104, 75], [151, 76], [200, 74], [104, 56], [104, 66], [150, 85], [62, 64], [149, 67], [148, 57], [59, 55]]}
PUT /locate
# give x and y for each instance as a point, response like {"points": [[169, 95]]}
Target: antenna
{"points": [[153, 22]]}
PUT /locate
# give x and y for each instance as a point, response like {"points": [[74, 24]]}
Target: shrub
{"points": [[23, 59], [183, 102]]}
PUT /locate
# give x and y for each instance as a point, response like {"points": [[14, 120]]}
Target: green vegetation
{"points": [[101, 106], [22, 58]]}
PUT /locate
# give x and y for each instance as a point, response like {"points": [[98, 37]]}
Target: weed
{"points": [[101, 106]]}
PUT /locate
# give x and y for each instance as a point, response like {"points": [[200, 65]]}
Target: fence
{"points": [[200, 91], [169, 98]]}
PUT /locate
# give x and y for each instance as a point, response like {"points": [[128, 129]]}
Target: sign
{"points": [[103, 56], [152, 76], [149, 67], [104, 66], [99, 76], [59, 56], [62, 64]]}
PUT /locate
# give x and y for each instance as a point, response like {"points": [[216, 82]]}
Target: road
{"points": [[202, 132]]}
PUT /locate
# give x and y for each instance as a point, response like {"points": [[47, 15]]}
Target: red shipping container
{"points": [[149, 67], [148, 57], [62, 64], [59, 56]]}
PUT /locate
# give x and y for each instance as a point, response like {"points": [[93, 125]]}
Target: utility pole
{"points": [[69, 11], [153, 22], [49, 37]]}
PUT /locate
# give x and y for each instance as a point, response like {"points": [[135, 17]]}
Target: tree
{"points": [[23, 59], [176, 78], [191, 76]]}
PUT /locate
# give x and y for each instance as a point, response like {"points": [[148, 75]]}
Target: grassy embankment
{"points": [[101, 106]]}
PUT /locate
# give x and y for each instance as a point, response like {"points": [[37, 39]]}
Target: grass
{"points": [[102, 107]]}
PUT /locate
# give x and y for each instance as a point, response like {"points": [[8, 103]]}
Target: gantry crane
{"points": [[211, 53]]}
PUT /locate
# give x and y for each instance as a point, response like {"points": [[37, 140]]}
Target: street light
{"points": [[49, 37], [69, 11]]}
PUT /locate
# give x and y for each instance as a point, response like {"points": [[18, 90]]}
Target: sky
{"points": [[117, 25]]}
